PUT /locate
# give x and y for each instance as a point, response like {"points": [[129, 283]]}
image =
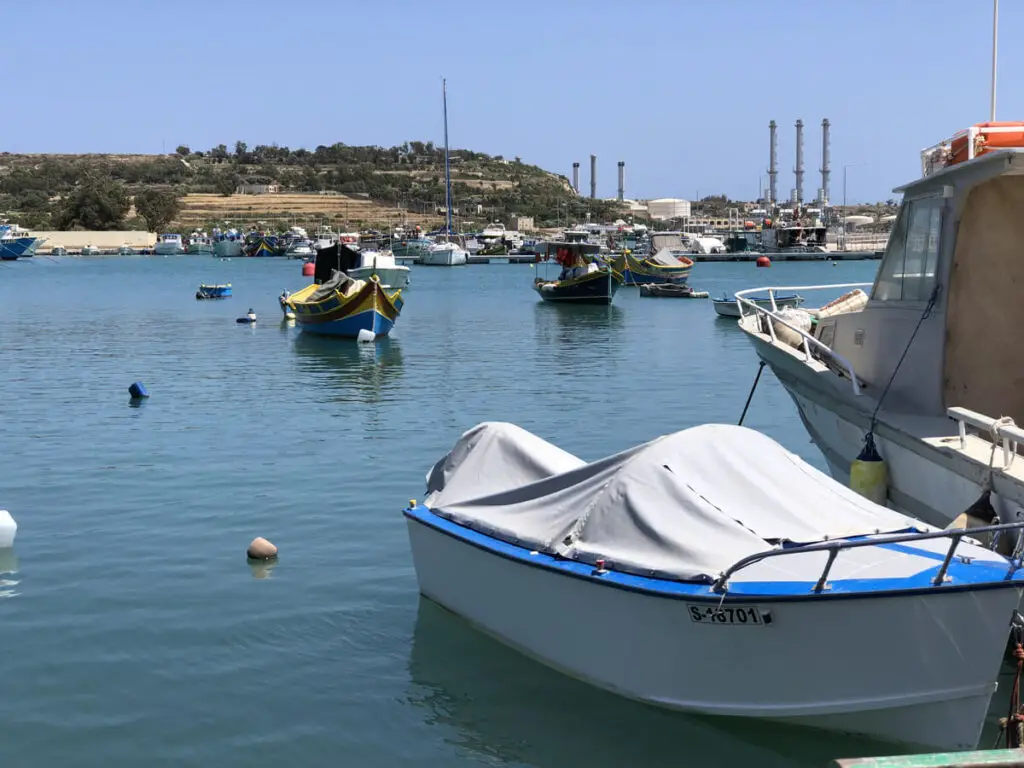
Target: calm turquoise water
{"points": [[132, 630]]}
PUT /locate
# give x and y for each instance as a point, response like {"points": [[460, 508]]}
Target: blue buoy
{"points": [[138, 390]]}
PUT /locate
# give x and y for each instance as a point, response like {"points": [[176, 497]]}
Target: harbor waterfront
{"points": [[130, 622]]}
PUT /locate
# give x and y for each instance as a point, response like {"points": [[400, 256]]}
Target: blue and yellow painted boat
{"points": [[262, 245], [344, 307], [205, 291], [657, 269]]}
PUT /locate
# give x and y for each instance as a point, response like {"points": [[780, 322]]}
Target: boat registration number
{"points": [[743, 615]]}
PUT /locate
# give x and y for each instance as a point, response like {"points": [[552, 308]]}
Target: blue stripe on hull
{"points": [[349, 327], [16, 248], [629, 277]]}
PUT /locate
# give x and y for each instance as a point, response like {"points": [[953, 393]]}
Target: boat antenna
{"points": [[447, 168], [995, 42]]}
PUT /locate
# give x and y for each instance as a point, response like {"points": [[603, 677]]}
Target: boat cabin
{"points": [[947, 294]]}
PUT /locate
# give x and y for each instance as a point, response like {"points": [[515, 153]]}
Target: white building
{"points": [[665, 208]]}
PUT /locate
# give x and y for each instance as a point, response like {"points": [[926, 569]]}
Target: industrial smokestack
{"points": [[799, 161], [773, 167], [593, 176], [826, 171], [622, 180], [576, 177]]}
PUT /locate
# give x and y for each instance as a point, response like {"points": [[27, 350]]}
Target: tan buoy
{"points": [[261, 549]]}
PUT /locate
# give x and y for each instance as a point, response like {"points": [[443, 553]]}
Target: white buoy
{"points": [[365, 335], [7, 529]]}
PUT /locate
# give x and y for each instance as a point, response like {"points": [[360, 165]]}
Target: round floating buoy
{"points": [[261, 549], [8, 530], [868, 474], [764, 261], [138, 391], [365, 335], [308, 269]]}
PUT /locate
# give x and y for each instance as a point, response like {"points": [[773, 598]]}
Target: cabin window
{"points": [[908, 269]]}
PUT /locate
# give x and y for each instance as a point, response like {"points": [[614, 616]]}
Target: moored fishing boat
{"points": [[925, 361], [583, 280], [261, 245], [382, 264], [91, 250], [662, 267], [700, 571], [726, 307], [16, 243], [200, 244], [169, 244], [337, 305], [227, 244], [213, 291]]}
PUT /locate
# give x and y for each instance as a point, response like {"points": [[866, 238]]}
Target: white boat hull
{"points": [[444, 257], [887, 667], [924, 481], [390, 277], [167, 249]]}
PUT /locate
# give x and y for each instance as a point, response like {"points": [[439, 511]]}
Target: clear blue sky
{"points": [[681, 91]]}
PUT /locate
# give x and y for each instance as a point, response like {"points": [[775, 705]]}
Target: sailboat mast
{"points": [[447, 167]]}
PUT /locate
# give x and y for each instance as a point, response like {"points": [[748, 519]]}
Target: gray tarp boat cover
{"points": [[683, 506], [666, 258]]}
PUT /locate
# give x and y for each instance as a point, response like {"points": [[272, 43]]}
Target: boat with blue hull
{"points": [[262, 246], [14, 245], [335, 304], [583, 280], [710, 545], [213, 291], [726, 307]]}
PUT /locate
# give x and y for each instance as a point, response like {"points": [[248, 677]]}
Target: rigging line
{"points": [[924, 315], [750, 397]]}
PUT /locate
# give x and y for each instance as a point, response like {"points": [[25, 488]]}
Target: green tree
{"points": [[183, 150], [97, 205], [158, 207], [226, 183], [240, 149]]}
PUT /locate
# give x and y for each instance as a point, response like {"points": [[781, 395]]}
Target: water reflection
{"points": [[579, 328], [358, 372], [8, 568], [504, 706]]}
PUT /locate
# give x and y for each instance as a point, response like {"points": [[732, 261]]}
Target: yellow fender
{"points": [[869, 475]]}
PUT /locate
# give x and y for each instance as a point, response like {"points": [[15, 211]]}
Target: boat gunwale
{"points": [[921, 583]]}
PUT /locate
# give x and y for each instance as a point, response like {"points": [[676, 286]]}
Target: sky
{"points": [[680, 90]]}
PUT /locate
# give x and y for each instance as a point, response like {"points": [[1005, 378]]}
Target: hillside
{"points": [[338, 185]]}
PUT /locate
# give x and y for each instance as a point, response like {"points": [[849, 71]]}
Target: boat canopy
{"points": [[337, 257], [684, 506]]}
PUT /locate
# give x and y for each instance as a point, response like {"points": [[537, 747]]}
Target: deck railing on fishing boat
{"points": [[1001, 431], [835, 547], [808, 341]]}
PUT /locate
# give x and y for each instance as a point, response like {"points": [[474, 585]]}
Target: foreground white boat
{"points": [[713, 571]]}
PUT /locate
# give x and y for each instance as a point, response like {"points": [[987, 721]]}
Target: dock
{"points": [[1004, 758]]}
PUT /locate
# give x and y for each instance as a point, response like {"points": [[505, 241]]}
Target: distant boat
{"points": [[300, 248], [14, 244], [260, 245], [168, 245], [663, 267], [726, 307], [383, 265], [58, 250], [583, 279], [91, 250], [213, 291], [125, 250], [200, 245], [446, 253], [227, 244]]}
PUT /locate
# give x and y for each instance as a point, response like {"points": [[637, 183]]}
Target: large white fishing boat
{"points": [[926, 361]]}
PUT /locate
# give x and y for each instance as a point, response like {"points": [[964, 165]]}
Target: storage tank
{"points": [[668, 208]]}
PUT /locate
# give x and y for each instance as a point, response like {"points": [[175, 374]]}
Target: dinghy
{"points": [[713, 571]]}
